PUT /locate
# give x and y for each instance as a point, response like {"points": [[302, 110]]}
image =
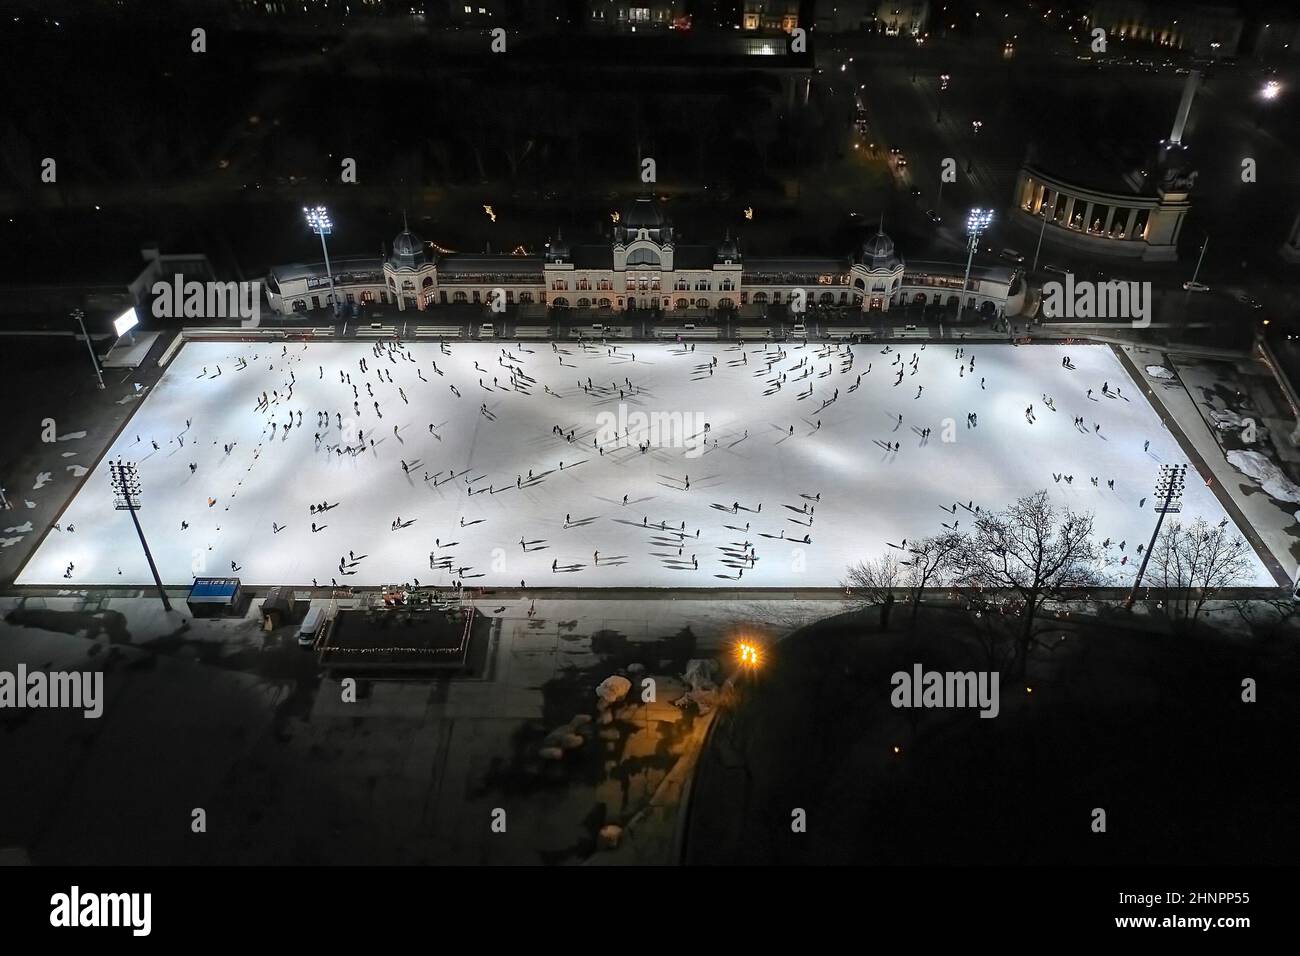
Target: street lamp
{"points": [[1169, 497], [976, 222], [126, 488], [94, 360], [1271, 90], [975, 127], [318, 221]]}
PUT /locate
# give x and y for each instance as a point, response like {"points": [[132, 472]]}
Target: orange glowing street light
{"points": [[748, 654]]}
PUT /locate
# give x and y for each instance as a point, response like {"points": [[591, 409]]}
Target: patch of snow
{"points": [[21, 528], [1159, 371], [41, 480], [71, 436], [1270, 476], [77, 470], [10, 542]]}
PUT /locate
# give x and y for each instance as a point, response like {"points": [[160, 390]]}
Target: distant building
{"points": [[1202, 29], [643, 265], [890, 17], [770, 15], [625, 16]]}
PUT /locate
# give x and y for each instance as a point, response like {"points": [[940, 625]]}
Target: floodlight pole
{"points": [[122, 475], [1175, 475], [1042, 212], [334, 299], [94, 360]]}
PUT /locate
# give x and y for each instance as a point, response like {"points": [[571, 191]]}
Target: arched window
{"points": [[682, 304], [826, 298], [584, 285], [559, 285], [643, 257], [605, 285], [681, 285], [725, 303], [560, 303], [584, 303], [299, 305], [727, 285], [525, 297], [460, 297], [701, 303], [760, 298], [428, 281], [603, 303]]}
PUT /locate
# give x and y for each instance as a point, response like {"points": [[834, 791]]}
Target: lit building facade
{"points": [[643, 265], [1205, 29]]}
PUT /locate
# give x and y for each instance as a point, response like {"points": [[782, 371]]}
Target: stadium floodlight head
{"points": [[1271, 90], [125, 322], [318, 219], [978, 220]]}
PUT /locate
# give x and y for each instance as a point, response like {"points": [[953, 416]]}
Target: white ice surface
{"points": [[868, 496]]}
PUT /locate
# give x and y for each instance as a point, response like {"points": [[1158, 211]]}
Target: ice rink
{"points": [[478, 515]]}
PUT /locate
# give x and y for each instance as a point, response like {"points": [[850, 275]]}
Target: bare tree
{"points": [[931, 562], [1035, 552], [873, 582], [1194, 563], [934, 561]]}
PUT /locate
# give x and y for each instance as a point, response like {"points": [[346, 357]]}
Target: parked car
{"points": [[1012, 255], [1247, 300], [1191, 286], [932, 216], [487, 331], [1059, 270], [310, 626]]}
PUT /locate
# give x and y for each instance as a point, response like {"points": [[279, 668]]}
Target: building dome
{"points": [[408, 251], [728, 249], [879, 246], [644, 213], [557, 250]]}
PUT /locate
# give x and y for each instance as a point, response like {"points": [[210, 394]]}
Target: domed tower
{"points": [[408, 251], [728, 249], [557, 250], [644, 213], [878, 253], [876, 274], [410, 273]]}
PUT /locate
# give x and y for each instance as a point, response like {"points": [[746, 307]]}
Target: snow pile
{"points": [[1270, 476], [1224, 418], [702, 674], [1159, 371], [612, 689]]}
